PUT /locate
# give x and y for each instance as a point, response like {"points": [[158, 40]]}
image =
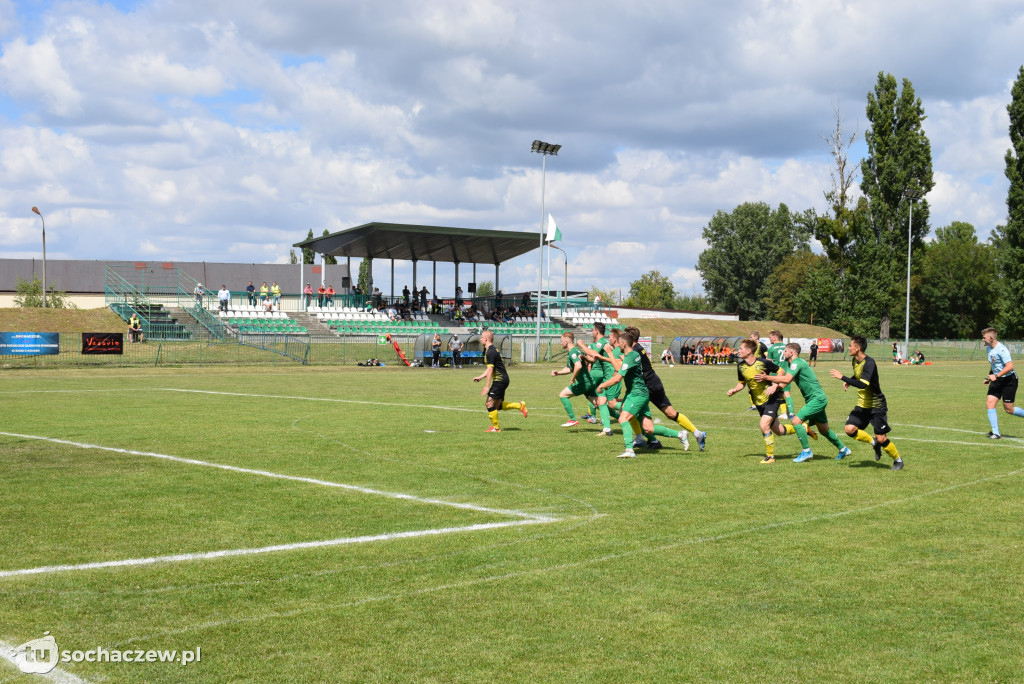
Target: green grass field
{"points": [[529, 555]]}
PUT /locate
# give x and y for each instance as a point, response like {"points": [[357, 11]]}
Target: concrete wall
{"points": [[666, 313]]}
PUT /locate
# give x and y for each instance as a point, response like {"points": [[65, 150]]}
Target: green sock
{"points": [[567, 403], [665, 432], [831, 436], [614, 413], [789, 407], [606, 421], [801, 434], [627, 434]]}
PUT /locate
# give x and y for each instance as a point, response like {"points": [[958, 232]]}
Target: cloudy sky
{"points": [[225, 130]]}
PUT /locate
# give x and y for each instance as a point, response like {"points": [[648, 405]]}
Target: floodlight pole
{"points": [[910, 227], [36, 210], [544, 149]]}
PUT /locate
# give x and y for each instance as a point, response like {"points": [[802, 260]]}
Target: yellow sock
{"points": [[685, 423], [862, 436], [493, 415], [890, 449], [790, 430], [769, 445], [635, 424], [511, 405]]}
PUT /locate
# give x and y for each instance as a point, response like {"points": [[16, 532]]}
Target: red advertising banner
{"points": [[102, 343]]}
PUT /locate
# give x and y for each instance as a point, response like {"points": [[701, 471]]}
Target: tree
{"points": [[30, 295], [954, 289], [783, 292], [651, 291], [1009, 239], [292, 259], [364, 277], [485, 289], [897, 170], [743, 248], [308, 255], [693, 301], [328, 259]]}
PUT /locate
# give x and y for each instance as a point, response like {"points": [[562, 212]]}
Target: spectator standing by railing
{"points": [[307, 294], [321, 295], [275, 291], [224, 296], [423, 298], [250, 290], [405, 295], [330, 295], [198, 293], [264, 290]]}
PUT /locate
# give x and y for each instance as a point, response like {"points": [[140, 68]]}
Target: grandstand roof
{"points": [[424, 243]]}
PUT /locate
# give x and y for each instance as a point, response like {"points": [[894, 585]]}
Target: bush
{"points": [[30, 295]]}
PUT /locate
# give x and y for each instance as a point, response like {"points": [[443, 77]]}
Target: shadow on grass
{"points": [[872, 464]]}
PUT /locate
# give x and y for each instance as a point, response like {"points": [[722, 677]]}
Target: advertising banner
{"points": [[29, 343], [645, 342], [102, 343]]}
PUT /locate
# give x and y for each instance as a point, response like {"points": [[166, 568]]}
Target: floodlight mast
{"points": [[911, 195], [544, 149], [36, 211]]}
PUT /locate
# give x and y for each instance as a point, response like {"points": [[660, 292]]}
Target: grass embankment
{"points": [[684, 327], [60, 320]]}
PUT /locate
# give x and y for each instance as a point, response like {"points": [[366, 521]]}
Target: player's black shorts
{"points": [[497, 390], [1005, 388], [878, 418], [770, 407], [813, 356], [658, 398]]}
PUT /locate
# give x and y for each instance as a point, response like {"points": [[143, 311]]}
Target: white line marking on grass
{"points": [[7, 652], [327, 399], [525, 518], [294, 478], [226, 553], [983, 445], [558, 568]]}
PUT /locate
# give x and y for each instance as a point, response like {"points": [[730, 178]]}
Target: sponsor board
{"points": [[102, 343], [29, 343]]}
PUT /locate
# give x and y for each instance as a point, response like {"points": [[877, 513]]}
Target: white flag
{"points": [[554, 234]]}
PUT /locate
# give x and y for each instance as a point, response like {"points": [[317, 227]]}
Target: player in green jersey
{"points": [[796, 370], [635, 405], [599, 372], [871, 405], [766, 395], [580, 382], [775, 354]]}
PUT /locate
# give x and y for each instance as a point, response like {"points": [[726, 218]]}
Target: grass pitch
{"points": [[558, 562]]}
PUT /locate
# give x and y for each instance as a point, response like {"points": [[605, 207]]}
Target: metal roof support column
{"points": [[434, 291], [392, 278], [302, 285], [457, 281], [416, 296], [497, 280], [475, 284], [348, 265], [323, 269]]}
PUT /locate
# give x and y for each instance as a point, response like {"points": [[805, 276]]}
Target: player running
{"points": [[497, 382], [634, 405], [815, 401], [580, 382], [775, 354], [1002, 381], [658, 398], [599, 372], [871, 406], [766, 395]]}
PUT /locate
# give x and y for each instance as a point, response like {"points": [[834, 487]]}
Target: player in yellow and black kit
{"points": [[765, 395], [871, 406], [497, 382]]}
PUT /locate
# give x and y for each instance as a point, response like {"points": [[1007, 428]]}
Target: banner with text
{"points": [[102, 343], [29, 343]]}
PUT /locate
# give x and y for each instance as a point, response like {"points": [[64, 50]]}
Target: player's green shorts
{"points": [[813, 411], [583, 386], [613, 391], [636, 405]]}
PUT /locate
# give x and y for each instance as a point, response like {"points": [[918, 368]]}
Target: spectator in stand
{"points": [[392, 312], [667, 358], [268, 304], [458, 295], [497, 299], [458, 315], [224, 296], [250, 290], [321, 295], [330, 295], [307, 295], [275, 291], [264, 290], [405, 295], [198, 293], [423, 298], [378, 299]]}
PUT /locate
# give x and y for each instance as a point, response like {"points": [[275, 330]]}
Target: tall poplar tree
{"points": [[1009, 239], [896, 172], [308, 257], [328, 259]]}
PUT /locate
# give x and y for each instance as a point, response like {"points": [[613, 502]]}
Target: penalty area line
{"points": [[227, 553]]}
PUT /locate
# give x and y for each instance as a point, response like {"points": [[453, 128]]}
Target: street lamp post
{"points": [[36, 210], [912, 196], [565, 287], [544, 149]]}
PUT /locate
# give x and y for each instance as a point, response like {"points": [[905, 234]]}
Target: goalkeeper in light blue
{"points": [[1001, 381]]}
